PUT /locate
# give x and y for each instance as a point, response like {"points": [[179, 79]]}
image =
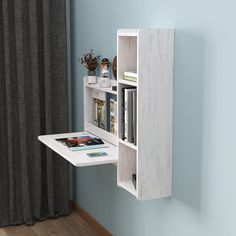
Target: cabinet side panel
{"points": [[155, 113], [88, 105]]}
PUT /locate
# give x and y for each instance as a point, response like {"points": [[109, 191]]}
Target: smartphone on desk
{"points": [[97, 154]]}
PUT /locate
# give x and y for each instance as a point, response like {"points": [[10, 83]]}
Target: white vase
{"points": [[91, 79]]}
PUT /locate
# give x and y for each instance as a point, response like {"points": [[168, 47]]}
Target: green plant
{"points": [[90, 60]]}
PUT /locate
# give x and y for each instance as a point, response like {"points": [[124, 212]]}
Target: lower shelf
{"points": [[80, 158], [128, 186], [127, 167]]}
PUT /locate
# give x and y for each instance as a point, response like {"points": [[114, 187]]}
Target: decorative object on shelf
{"points": [[91, 62], [114, 67], [104, 83], [92, 79], [105, 68]]}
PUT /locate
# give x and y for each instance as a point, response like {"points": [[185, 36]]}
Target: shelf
{"points": [[127, 82], [128, 144], [80, 158], [128, 186], [97, 87]]}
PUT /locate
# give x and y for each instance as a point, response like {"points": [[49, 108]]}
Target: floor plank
{"points": [[2, 232], [72, 225]]}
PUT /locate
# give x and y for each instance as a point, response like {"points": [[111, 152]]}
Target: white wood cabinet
{"points": [[149, 52]]}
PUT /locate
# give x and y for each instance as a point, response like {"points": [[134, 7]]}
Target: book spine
{"points": [[113, 116], [123, 115], [130, 78], [130, 116], [126, 103], [135, 117], [130, 74], [75, 149]]}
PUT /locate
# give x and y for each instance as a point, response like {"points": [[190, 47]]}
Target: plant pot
{"points": [[91, 73]]}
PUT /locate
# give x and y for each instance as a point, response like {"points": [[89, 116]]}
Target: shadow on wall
{"points": [[188, 118]]}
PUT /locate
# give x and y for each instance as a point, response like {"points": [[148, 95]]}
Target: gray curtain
{"points": [[33, 101]]}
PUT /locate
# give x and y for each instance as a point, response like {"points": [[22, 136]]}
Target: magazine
{"points": [[99, 109], [85, 142]]}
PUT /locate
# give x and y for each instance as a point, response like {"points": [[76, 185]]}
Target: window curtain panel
{"points": [[33, 101]]}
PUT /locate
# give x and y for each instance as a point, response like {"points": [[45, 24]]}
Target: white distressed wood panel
{"points": [[79, 158], [128, 144], [88, 104], [127, 32], [127, 163], [128, 186], [155, 112], [126, 54]]}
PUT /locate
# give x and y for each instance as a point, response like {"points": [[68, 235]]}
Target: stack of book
{"points": [[129, 114], [131, 76], [81, 143]]}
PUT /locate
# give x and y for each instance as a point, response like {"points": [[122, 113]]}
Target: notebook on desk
{"points": [[85, 142]]}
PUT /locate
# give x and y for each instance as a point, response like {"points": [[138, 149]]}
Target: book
{"points": [[99, 108], [135, 117], [123, 114], [128, 114], [130, 78], [84, 142], [131, 74], [113, 116], [134, 178]]}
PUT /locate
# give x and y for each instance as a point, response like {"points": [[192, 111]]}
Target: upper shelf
{"points": [[79, 158], [127, 82], [97, 87]]}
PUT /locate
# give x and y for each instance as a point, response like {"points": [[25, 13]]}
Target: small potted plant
{"points": [[91, 62]]}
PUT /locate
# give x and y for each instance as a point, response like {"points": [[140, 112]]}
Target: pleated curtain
{"points": [[33, 101]]}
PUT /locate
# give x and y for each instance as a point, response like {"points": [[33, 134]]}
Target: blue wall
{"points": [[204, 181]]}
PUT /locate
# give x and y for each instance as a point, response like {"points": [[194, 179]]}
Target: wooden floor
{"points": [[72, 225]]}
